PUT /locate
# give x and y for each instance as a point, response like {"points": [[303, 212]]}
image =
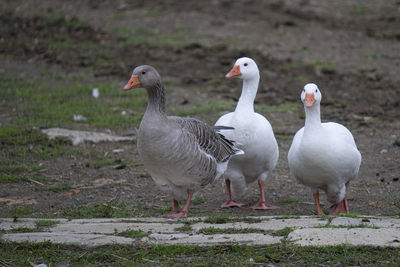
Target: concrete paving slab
{"points": [[254, 239], [269, 225], [116, 227], [9, 225], [349, 236], [345, 221], [102, 231], [78, 137], [92, 240], [383, 223]]}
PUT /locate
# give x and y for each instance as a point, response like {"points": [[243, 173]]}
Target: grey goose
{"points": [[182, 155]]}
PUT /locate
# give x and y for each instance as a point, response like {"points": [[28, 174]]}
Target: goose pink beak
{"points": [[309, 100], [133, 83], [235, 71]]}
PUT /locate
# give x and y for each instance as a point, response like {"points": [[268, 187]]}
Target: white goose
{"points": [[182, 155], [324, 155], [254, 133]]}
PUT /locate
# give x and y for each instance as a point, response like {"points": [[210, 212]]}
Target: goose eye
{"points": [[143, 72], [316, 90], [245, 64], [304, 90]]}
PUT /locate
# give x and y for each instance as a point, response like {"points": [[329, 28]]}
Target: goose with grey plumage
{"points": [[182, 155]]}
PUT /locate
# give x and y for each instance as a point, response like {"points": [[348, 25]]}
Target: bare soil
{"points": [[350, 50]]}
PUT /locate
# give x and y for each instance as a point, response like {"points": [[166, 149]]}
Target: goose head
{"points": [[311, 95], [244, 68], [144, 76]]}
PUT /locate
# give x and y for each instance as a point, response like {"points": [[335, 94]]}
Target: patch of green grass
{"points": [[23, 230], [288, 200], [11, 178], [185, 228], [389, 34], [104, 210], [22, 151], [133, 233], [213, 230], [326, 67], [58, 188], [283, 232], [46, 223], [46, 19], [359, 9], [43, 105], [21, 211], [198, 200], [285, 137], [303, 78], [14, 254], [220, 218], [60, 45], [370, 55]]}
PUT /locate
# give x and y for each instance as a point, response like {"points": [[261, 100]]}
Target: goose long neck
{"points": [[249, 92], [156, 100], [313, 118]]}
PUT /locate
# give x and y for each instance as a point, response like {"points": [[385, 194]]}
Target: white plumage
{"points": [[254, 133], [324, 156]]}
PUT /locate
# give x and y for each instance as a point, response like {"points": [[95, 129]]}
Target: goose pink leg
{"points": [[316, 198], [261, 204], [177, 211], [342, 206], [230, 203]]}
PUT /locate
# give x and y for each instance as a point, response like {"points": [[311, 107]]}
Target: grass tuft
{"points": [[283, 232], [133, 233]]}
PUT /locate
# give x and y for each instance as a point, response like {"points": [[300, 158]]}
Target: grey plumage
{"points": [[180, 153]]}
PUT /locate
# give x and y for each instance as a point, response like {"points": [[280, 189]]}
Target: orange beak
{"points": [[235, 71], [309, 100], [133, 83]]}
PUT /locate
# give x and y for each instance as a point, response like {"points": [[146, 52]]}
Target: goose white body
{"points": [[323, 156], [254, 132], [255, 135]]}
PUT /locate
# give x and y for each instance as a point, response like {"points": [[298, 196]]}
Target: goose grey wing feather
{"points": [[213, 143]]}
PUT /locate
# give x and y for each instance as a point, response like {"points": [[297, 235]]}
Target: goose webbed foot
{"points": [[230, 203], [262, 205]]}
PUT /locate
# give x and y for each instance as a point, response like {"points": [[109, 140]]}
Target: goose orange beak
{"points": [[235, 71], [133, 83], [309, 100]]}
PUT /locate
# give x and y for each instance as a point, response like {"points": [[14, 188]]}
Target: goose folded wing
{"points": [[210, 141]]}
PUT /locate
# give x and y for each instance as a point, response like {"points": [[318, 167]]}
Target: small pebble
{"points": [[383, 151], [118, 150], [123, 113]]}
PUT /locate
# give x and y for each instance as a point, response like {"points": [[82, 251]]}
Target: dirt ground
{"points": [[349, 48]]}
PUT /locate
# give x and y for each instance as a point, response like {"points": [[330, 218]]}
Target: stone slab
{"points": [[92, 240], [254, 239], [117, 227], [269, 225], [350, 236], [78, 137]]}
